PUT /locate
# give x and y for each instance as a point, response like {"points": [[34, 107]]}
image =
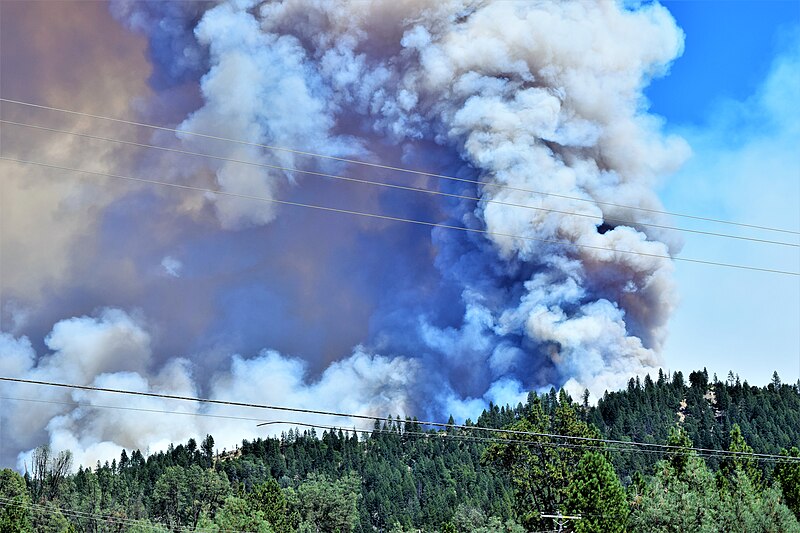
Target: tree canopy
{"points": [[404, 477]]}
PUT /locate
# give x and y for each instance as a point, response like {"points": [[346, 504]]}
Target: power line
{"points": [[262, 422], [350, 179], [78, 515], [74, 513], [468, 438], [397, 219], [643, 445], [394, 168], [52, 510], [599, 447], [137, 409], [381, 431]]}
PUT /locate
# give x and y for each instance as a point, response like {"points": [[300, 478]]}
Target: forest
{"points": [[549, 463]]}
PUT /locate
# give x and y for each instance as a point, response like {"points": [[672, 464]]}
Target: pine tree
{"points": [[739, 463], [596, 494], [679, 454], [15, 510], [268, 499], [208, 450], [788, 475], [540, 473]]}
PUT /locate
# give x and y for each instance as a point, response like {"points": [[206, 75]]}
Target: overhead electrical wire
{"points": [[469, 438], [397, 219], [136, 409], [74, 513], [390, 167], [351, 179], [600, 447], [263, 422], [643, 445], [158, 526]]}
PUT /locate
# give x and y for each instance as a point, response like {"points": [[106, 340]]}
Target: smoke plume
{"points": [[517, 99]]}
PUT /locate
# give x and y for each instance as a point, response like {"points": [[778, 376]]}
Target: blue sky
{"points": [[733, 96], [728, 52]]}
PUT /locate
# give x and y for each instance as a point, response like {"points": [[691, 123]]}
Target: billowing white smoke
{"points": [[112, 350], [534, 96], [259, 89]]}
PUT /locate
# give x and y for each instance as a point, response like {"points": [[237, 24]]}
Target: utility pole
{"points": [[560, 519]]}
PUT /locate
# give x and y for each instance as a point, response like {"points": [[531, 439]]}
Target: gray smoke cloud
{"points": [[113, 350], [533, 96], [543, 97], [258, 89]]}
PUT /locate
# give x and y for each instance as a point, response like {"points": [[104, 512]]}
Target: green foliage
{"points": [[769, 417], [236, 514], [181, 495], [788, 475], [690, 501], [48, 518], [745, 508], [268, 499], [15, 503], [449, 527], [140, 526], [596, 494], [539, 471], [326, 505], [677, 501], [468, 518], [731, 466], [208, 450], [679, 454], [169, 496], [398, 480]]}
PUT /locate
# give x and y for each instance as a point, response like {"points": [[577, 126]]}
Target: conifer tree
{"points": [[739, 463], [15, 510], [596, 494], [788, 475]]}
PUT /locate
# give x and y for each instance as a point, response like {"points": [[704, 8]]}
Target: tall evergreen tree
{"points": [[788, 475], [747, 465], [15, 503], [268, 499], [539, 470], [596, 494]]}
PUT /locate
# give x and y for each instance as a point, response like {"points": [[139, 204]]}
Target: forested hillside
{"points": [[769, 417], [404, 477]]}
